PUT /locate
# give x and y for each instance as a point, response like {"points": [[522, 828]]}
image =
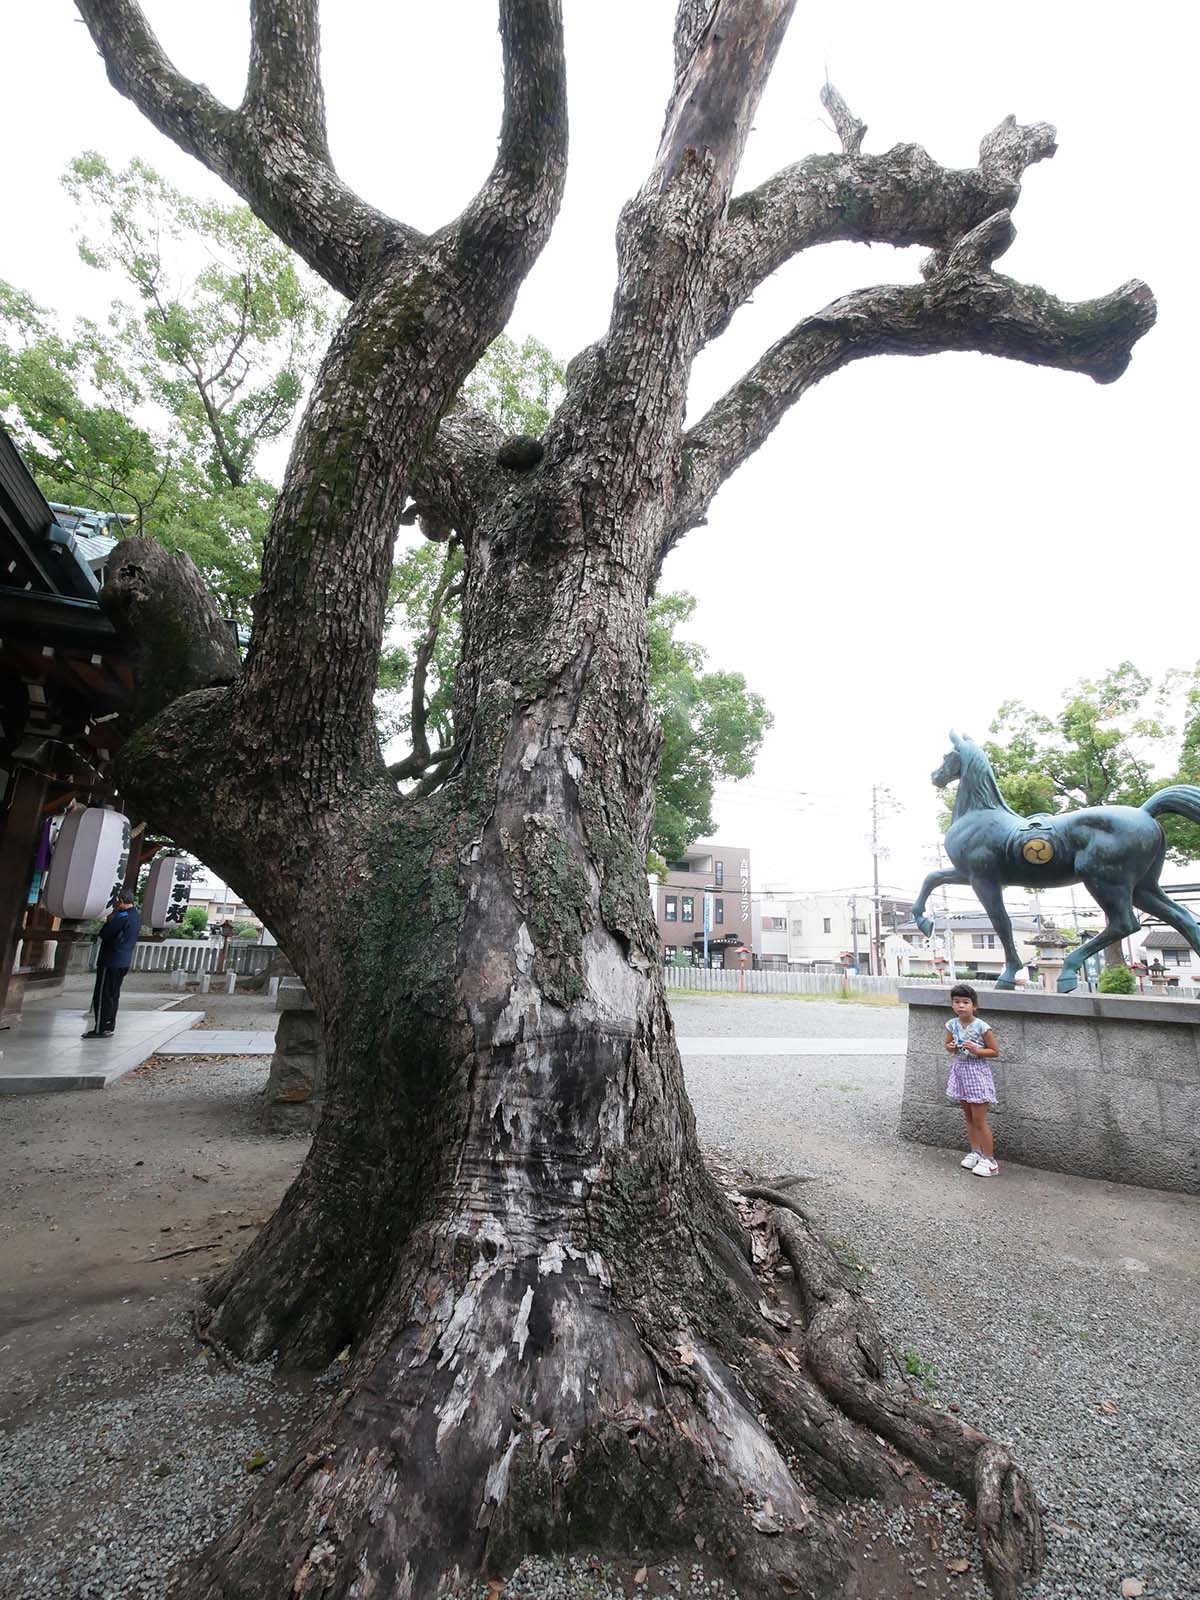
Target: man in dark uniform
{"points": [[118, 941]]}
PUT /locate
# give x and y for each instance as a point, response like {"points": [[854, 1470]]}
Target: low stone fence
{"points": [[1106, 1086]]}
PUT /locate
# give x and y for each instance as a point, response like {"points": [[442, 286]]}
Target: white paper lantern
{"points": [[88, 866], [167, 892]]}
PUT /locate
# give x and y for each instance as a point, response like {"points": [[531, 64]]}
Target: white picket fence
{"points": [[722, 981], [195, 955], [717, 980]]}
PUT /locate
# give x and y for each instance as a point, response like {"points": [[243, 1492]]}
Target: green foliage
{"points": [[195, 923], [245, 930], [713, 727], [159, 414], [518, 385], [916, 1366], [1098, 748], [1116, 980]]}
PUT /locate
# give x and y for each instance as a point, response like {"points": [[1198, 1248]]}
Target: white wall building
{"points": [[821, 932]]}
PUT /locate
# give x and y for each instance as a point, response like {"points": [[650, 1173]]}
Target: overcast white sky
{"points": [[921, 539]]}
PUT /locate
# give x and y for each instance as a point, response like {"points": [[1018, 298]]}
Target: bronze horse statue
{"points": [[1116, 852]]}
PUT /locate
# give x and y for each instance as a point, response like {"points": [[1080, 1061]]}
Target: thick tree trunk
{"points": [[556, 1339]]}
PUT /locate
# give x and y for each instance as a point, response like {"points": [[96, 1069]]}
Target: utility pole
{"points": [[854, 929], [946, 928], [883, 803]]}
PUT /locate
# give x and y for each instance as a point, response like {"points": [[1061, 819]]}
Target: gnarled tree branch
{"points": [[963, 306], [284, 79], [902, 197], [158, 598], [419, 759], [510, 217], [272, 149]]}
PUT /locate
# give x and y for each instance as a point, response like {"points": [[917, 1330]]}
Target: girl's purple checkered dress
{"points": [[970, 1076]]}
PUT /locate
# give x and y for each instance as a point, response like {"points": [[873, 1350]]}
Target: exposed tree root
{"points": [[522, 1411], [847, 1358]]}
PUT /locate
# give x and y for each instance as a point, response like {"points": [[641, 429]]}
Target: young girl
{"points": [[971, 1042]]}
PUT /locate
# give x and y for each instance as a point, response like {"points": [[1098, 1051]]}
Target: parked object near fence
{"points": [[296, 1083], [1104, 1086]]}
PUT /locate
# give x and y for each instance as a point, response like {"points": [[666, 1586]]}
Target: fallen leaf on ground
{"points": [[958, 1566], [640, 1575], [257, 1461], [1108, 1408], [687, 1356], [199, 1176], [495, 1589], [1132, 1587]]}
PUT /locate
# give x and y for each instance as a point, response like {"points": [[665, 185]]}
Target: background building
{"points": [[723, 872], [220, 901], [977, 948]]}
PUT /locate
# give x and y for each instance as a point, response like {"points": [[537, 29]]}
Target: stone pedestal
{"points": [[296, 1084], [1105, 1086]]}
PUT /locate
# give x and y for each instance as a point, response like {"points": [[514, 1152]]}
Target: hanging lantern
{"points": [[167, 892], [88, 867]]}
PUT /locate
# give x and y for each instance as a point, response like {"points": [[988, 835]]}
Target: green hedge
{"points": [[1117, 980]]}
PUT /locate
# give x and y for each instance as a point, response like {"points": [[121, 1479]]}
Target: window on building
{"points": [[977, 942], [773, 924], [860, 924], [678, 866], [671, 908], [719, 874], [718, 910], [827, 924], [797, 927], [688, 913]]}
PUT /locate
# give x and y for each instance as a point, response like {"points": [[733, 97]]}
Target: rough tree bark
{"points": [[555, 1339]]}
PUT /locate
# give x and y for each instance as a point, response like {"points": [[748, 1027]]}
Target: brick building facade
{"points": [[722, 873]]}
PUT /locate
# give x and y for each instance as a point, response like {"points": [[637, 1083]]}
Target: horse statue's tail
{"points": [[1181, 799]]}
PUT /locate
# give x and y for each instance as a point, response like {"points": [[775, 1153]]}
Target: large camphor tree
{"points": [[556, 1339]]}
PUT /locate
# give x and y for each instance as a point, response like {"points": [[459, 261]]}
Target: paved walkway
{"points": [[45, 1050], [780, 1046], [220, 1042]]}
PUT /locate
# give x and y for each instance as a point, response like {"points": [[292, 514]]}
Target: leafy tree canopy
{"points": [[160, 413], [1100, 747]]}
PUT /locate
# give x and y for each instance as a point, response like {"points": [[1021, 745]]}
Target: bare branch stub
{"points": [[849, 129]]}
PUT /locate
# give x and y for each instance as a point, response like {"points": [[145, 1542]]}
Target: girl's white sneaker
{"points": [[985, 1167], [971, 1160]]}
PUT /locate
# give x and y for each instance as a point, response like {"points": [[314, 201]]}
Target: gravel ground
{"points": [[1055, 1313], [1058, 1314], [157, 1443]]}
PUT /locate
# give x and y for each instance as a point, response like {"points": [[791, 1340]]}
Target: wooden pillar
{"points": [[20, 830]]}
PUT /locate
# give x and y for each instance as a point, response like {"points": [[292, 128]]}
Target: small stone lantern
{"points": [[1051, 947]]}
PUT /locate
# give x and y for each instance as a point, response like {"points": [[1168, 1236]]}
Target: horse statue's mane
{"points": [[977, 786]]}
